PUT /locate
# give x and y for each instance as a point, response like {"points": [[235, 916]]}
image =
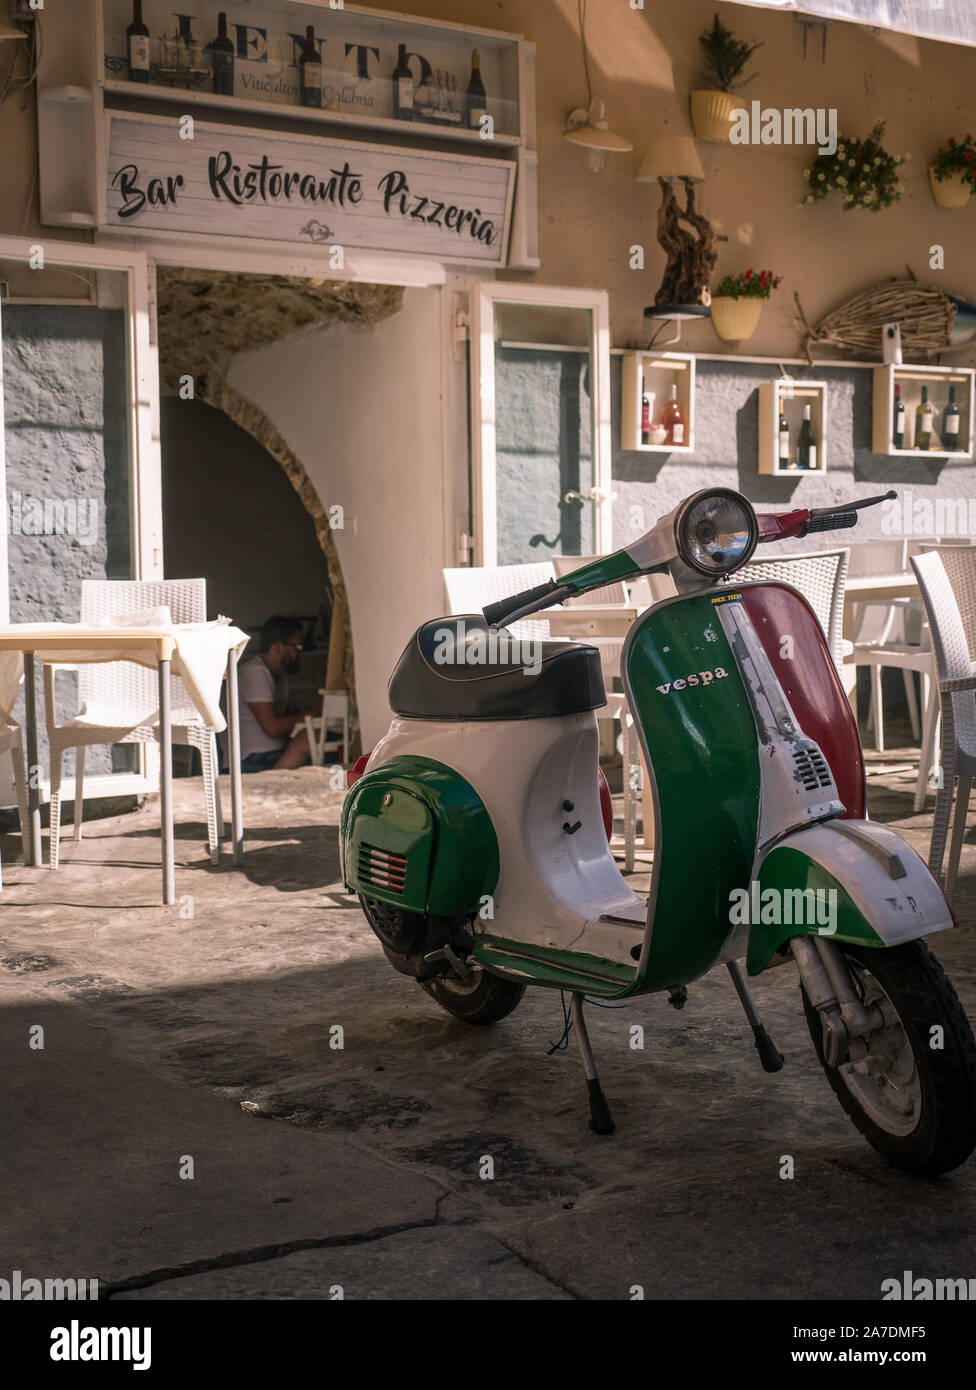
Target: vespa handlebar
{"points": [[830, 521], [505, 610]]}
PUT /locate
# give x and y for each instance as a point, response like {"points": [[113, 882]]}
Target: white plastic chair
{"points": [[820, 576], [947, 578], [335, 710], [119, 700], [11, 741]]}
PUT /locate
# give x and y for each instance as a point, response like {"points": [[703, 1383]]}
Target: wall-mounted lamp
{"points": [[7, 31], [671, 159], [590, 129]]}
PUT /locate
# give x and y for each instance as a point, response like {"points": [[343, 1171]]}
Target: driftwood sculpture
{"points": [[691, 254], [925, 314]]}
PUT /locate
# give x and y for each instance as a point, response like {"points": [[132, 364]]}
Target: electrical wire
{"points": [[586, 56]]}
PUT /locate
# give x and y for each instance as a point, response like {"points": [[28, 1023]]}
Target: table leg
{"points": [[33, 790], [166, 784], [234, 758], [848, 671]]}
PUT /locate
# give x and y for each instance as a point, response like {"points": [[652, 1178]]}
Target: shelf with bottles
{"points": [[949, 392], [792, 428], [657, 402], [305, 60]]}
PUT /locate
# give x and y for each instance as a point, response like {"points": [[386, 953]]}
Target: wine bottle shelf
{"points": [[788, 397], [652, 374], [911, 379], [187, 98]]}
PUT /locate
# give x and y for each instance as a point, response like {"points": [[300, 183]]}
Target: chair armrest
{"points": [[962, 683]]}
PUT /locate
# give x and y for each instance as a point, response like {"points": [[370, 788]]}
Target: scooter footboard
{"points": [[853, 880]]}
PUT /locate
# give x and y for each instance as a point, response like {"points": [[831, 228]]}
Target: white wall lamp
{"points": [[590, 129], [7, 31], [587, 125]]}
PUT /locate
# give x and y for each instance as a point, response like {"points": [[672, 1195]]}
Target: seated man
{"points": [[266, 740]]}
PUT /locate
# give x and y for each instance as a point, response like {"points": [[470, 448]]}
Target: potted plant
{"points": [[737, 303], [952, 174], [725, 60], [862, 170]]}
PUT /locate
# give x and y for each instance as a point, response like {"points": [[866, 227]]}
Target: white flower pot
{"points": [[710, 112], [736, 319]]}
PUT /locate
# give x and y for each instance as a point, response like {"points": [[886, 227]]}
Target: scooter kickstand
{"points": [[771, 1059], [601, 1121]]}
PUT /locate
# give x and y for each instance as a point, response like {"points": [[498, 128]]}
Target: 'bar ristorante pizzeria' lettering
{"points": [[266, 183]]}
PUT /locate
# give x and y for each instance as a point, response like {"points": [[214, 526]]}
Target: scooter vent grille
{"points": [[812, 768], [381, 868]]}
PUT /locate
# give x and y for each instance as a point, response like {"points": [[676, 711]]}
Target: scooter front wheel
{"points": [[913, 1092], [480, 999]]}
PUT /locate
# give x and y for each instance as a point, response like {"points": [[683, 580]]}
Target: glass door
{"points": [[79, 465], [541, 423]]}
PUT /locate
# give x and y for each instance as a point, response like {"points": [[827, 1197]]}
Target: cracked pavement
{"points": [[207, 1032]]}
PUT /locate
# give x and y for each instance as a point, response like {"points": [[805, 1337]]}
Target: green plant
{"points": [[862, 170], [956, 157], [725, 58], [748, 285]]}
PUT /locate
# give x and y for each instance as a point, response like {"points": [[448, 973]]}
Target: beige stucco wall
{"points": [[644, 63]]}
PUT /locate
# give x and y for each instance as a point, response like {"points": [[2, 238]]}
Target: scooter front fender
{"points": [[853, 880]]}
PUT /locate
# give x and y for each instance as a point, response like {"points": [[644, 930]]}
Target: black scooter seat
{"points": [[458, 668]]}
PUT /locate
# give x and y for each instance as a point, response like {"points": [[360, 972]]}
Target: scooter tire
{"points": [[945, 1133], [483, 1000]]}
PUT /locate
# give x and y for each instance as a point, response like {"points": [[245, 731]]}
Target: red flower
{"points": [[970, 155], [748, 274], [951, 141]]}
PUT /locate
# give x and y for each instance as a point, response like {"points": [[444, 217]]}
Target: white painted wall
{"points": [[362, 409]]}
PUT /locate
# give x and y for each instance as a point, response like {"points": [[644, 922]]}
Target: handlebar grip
{"points": [[831, 521], [497, 613]]}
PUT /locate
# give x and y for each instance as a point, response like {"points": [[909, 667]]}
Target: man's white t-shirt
{"points": [[256, 685]]}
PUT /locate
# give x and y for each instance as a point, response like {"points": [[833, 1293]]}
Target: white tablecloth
{"points": [[200, 658]]}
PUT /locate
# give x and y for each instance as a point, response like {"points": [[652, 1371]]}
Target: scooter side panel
{"points": [[699, 737], [882, 891], [415, 834]]}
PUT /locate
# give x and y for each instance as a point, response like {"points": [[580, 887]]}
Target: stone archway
{"points": [[206, 318]]}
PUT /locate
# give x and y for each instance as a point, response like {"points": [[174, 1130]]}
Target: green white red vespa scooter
{"points": [[476, 843]]}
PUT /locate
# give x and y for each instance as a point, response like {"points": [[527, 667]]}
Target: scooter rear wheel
{"points": [[482, 999], [913, 1101]]}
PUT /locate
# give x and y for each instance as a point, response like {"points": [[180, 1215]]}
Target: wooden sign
{"points": [[234, 181]]}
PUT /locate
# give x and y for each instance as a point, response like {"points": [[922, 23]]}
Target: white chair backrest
{"points": [[469, 589], [820, 576], [123, 684], [953, 648], [877, 557], [610, 594]]}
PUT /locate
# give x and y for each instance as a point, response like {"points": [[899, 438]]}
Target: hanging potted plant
{"points": [[737, 303], [862, 170], [952, 174], [726, 58]]}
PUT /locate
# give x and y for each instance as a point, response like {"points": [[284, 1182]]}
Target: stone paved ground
{"points": [[170, 1035]]}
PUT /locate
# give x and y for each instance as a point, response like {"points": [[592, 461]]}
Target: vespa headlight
{"points": [[716, 531]]}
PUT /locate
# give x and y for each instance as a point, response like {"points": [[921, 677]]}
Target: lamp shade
{"points": [[671, 157], [598, 139]]}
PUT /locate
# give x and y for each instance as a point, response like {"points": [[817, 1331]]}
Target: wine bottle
{"points": [[403, 87], [645, 419], [950, 424], [309, 72], [672, 418], [784, 441], [222, 59], [923, 422], [898, 427], [806, 445], [476, 99], [137, 45]]}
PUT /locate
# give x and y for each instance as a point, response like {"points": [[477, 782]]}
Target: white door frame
{"points": [[484, 296], [145, 492]]}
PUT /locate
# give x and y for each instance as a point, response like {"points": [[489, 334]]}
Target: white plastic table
{"points": [[73, 644], [869, 588]]}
